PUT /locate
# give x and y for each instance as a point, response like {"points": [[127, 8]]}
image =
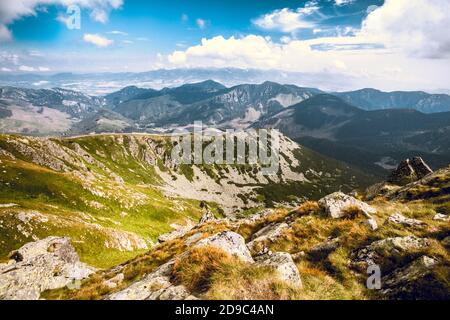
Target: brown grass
{"points": [[195, 271]]}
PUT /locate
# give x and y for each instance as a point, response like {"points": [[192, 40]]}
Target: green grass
{"points": [[73, 210]]}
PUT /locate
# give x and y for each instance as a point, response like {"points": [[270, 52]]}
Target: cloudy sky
{"points": [[388, 44]]}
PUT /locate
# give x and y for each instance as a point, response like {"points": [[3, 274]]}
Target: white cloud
{"points": [[26, 69], [6, 69], [343, 2], [184, 17], [11, 11], [97, 40], [10, 58], [201, 23], [119, 33], [44, 69], [288, 20], [99, 15], [418, 27]]}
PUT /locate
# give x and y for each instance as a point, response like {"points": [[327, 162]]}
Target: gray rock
{"points": [[230, 242], [398, 218], [51, 263], [175, 293], [388, 252], [284, 266], [441, 217], [417, 280], [372, 223], [409, 170], [336, 203], [269, 233]]}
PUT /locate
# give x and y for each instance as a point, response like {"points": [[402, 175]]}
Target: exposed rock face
{"points": [[50, 263], [270, 233], [417, 280], [398, 218], [155, 286], [336, 203], [230, 242], [284, 266], [387, 252], [409, 170], [441, 217]]}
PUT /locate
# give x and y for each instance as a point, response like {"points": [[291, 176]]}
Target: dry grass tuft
{"points": [[195, 271]]}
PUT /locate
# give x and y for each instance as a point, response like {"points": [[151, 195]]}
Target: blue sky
{"points": [[400, 41]]}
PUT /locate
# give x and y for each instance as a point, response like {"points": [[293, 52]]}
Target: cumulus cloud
{"points": [[419, 27], [4, 69], [11, 11], [97, 40], [287, 20], [402, 44]]}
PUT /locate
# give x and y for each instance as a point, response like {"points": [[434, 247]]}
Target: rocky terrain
{"points": [[114, 195], [325, 249]]}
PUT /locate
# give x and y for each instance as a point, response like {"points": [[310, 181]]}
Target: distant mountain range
{"points": [[368, 139], [368, 128]]}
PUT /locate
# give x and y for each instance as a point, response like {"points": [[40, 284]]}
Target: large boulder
{"points": [[230, 242], [409, 170], [284, 267], [335, 205], [418, 280], [51, 263], [388, 253]]}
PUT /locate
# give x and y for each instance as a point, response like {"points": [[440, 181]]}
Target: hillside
{"points": [[372, 140], [115, 194], [372, 99], [320, 250]]}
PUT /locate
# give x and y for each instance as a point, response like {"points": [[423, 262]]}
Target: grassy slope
{"points": [[67, 206], [73, 211]]}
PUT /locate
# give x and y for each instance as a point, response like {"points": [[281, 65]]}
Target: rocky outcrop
{"points": [[398, 218], [417, 280], [409, 170], [335, 205], [230, 242], [387, 253], [266, 235], [284, 267], [155, 286], [50, 263]]}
